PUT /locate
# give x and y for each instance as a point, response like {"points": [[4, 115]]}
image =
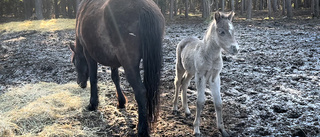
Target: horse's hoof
{"points": [[120, 106], [91, 107], [224, 133]]}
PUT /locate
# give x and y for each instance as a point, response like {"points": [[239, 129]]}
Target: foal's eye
{"points": [[221, 32]]}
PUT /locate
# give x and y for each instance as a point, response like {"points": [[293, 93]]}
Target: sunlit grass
{"points": [[39, 25]]}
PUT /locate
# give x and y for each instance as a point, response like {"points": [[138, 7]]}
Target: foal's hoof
{"points": [[188, 115], [175, 112], [91, 107], [197, 134], [224, 133]]}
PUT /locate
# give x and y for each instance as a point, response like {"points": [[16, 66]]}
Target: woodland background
{"points": [[47, 9]]}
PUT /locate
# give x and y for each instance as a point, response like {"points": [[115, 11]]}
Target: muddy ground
{"points": [[271, 88]]}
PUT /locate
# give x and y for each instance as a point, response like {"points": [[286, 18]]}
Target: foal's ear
{"points": [[230, 16], [71, 46], [217, 16]]}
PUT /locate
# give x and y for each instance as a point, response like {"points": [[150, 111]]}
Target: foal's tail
{"points": [[151, 33]]}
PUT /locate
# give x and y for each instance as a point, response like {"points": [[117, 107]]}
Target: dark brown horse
{"points": [[120, 33]]}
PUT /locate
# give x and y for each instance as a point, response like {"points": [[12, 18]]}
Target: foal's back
{"points": [[185, 51]]}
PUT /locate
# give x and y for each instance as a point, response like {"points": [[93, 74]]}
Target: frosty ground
{"points": [[271, 88]]}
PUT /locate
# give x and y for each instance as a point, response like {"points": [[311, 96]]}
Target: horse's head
{"points": [[225, 32], [79, 61]]}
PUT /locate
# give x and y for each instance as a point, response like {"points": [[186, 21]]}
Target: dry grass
{"points": [[44, 109], [39, 25]]}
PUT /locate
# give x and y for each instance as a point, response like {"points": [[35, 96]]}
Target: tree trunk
{"points": [[171, 10], [275, 5], [222, 5], [242, 6], [284, 7], [186, 12], [27, 9], [249, 9], [38, 6], [232, 5], [289, 9], [217, 4], [63, 6], [269, 9], [261, 4], [56, 9], [317, 8], [70, 8], [175, 7], [77, 5], [206, 9], [313, 11]]}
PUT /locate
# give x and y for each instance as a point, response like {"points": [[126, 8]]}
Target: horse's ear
{"points": [[230, 16], [217, 16], [71, 46]]}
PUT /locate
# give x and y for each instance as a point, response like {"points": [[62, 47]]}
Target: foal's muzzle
{"points": [[234, 49]]}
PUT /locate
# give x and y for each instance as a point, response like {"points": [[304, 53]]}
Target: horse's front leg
{"points": [[134, 79], [94, 100], [201, 85], [116, 80], [215, 90]]}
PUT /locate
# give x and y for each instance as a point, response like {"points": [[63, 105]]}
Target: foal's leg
{"points": [[121, 97], [177, 85], [215, 90], [134, 78], [201, 85], [94, 100], [185, 83]]}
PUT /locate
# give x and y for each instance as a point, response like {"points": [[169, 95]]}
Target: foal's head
{"points": [[222, 31], [79, 61]]}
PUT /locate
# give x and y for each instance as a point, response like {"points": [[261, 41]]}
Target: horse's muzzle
{"points": [[82, 84], [234, 49]]}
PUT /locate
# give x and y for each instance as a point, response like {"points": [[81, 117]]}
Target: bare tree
{"points": [[27, 9], [232, 5], [206, 9], [283, 7], [186, 12], [171, 10], [317, 8], [222, 5], [38, 7], [289, 9], [274, 4], [249, 10], [242, 6], [269, 9]]}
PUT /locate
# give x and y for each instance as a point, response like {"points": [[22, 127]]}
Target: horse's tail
{"points": [[151, 33]]}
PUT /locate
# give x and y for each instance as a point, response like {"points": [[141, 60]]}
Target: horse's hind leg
{"points": [[215, 89], [134, 79], [177, 84], [121, 97], [185, 83]]}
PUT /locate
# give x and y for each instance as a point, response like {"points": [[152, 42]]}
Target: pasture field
{"points": [[271, 88]]}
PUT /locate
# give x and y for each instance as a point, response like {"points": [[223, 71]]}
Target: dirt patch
{"points": [[271, 88]]}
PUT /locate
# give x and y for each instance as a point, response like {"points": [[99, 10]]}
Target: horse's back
{"points": [[109, 29]]}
